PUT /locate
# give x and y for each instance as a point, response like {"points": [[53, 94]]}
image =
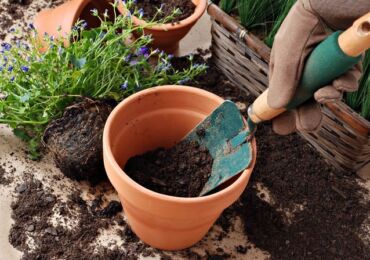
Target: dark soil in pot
{"points": [[150, 9], [75, 140], [315, 212], [180, 171]]}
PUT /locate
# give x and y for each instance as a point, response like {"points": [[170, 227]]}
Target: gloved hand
{"points": [[307, 24]]}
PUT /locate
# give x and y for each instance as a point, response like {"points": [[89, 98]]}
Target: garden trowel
{"points": [[224, 134], [228, 141]]}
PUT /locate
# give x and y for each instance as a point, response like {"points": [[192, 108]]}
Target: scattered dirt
{"points": [[16, 12], [4, 179], [150, 8], [33, 210], [315, 211], [180, 171], [306, 209], [75, 140]]}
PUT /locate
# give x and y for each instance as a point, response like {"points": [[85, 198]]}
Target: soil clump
{"points": [[75, 140], [180, 171], [150, 9]]}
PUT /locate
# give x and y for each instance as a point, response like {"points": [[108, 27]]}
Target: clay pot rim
{"points": [[198, 12], [117, 170], [78, 12]]}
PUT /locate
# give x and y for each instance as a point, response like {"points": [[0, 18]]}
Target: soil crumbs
{"points": [[295, 206], [150, 9], [180, 171], [305, 208]]}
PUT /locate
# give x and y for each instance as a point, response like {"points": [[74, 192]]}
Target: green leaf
{"points": [[22, 134], [78, 63]]}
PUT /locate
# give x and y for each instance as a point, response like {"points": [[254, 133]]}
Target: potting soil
{"points": [[75, 140], [150, 9], [180, 171], [295, 207]]}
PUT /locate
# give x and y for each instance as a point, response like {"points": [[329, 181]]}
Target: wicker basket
{"points": [[344, 137]]}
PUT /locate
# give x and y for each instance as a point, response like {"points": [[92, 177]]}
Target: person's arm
{"points": [[308, 23]]}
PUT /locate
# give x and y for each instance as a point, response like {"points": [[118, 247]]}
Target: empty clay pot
{"points": [[58, 22], [160, 117], [166, 37]]}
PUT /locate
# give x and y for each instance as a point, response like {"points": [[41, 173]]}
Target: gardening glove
{"points": [[307, 24]]}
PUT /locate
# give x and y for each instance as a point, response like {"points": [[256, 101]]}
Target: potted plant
{"points": [[59, 22], [167, 34], [162, 221], [343, 138], [57, 98]]}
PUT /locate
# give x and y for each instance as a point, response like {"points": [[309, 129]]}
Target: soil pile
{"points": [[306, 210], [75, 140], [32, 213], [316, 212], [150, 9], [180, 171]]}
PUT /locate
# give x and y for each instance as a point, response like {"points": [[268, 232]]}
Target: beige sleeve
{"points": [[339, 14]]}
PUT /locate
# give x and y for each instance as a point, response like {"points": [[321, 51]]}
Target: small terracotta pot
{"points": [[166, 37], [160, 117], [58, 22]]}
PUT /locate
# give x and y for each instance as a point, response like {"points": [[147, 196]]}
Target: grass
{"points": [[228, 5], [360, 100], [286, 6]]}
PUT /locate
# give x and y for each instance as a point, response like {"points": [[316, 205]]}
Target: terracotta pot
{"points": [[160, 117], [166, 37], [65, 16]]}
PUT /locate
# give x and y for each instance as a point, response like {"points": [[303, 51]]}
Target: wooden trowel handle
{"points": [[330, 59]]}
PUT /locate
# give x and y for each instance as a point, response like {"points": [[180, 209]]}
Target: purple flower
{"points": [[52, 38], [12, 30], [31, 26], [164, 67], [10, 68], [128, 58], [134, 62], [25, 68], [142, 51], [124, 86], [141, 12], [6, 46], [106, 13], [84, 25], [183, 81], [94, 12], [12, 79], [170, 56]]}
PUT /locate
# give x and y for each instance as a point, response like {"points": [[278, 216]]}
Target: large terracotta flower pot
{"points": [[160, 117], [166, 37], [58, 22]]}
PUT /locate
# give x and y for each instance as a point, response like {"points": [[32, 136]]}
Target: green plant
{"points": [[286, 6], [258, 14], [360, 100], [227, 5], [105, 62]]}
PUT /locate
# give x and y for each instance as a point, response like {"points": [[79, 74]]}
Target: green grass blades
{"points": [[286, 5], [227, 5], [360, 100], [102, 63], [258, 14]]}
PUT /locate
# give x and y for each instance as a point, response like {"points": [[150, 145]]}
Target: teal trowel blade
{"points": [[224, 134]]}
